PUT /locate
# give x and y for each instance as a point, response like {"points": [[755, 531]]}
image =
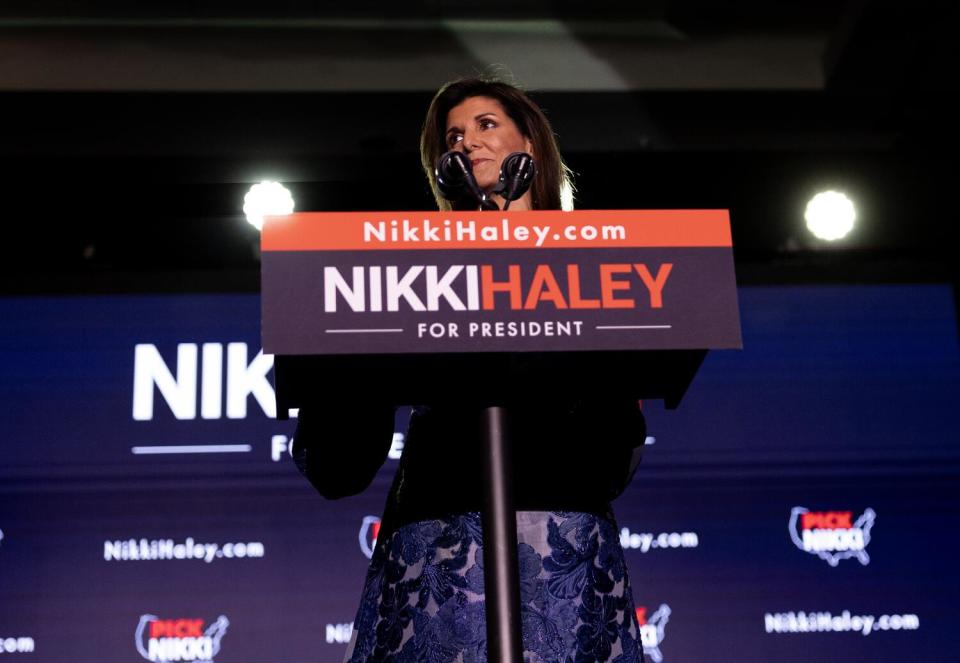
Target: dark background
{"points": [[129, 135]]}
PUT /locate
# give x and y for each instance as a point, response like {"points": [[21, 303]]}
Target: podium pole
{"points": [[500, 563]]}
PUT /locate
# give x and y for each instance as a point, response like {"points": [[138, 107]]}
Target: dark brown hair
{"points": [[552, 174]]}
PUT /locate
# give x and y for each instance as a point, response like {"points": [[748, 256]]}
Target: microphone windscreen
{"points": [[453, 168], [455, 180], [516, 175]]}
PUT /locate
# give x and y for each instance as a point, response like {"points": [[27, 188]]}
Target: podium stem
{"points": [[501, 567]]}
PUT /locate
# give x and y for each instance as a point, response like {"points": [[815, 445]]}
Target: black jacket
{"points": [[566, 457]]}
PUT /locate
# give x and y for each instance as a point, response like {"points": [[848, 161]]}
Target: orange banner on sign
{"points": [[371, 231]]}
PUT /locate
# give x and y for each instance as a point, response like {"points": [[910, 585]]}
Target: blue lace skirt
{"points": [[423, 599]]}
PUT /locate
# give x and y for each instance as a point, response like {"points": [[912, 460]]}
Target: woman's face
{"points": [[482, 130]]}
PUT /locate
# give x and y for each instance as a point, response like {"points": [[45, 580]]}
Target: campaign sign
{"points": [[428, 282]]}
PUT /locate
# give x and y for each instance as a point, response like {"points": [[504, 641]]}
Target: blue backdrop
{"points": [[800, 505]]}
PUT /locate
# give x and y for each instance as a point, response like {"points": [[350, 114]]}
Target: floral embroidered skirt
{"points": [[423, 599]]}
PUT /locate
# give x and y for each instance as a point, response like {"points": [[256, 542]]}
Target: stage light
{"points": [[830, 215], [566, 197], [266, 199]]}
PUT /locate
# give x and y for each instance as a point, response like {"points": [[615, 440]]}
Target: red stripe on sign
{"points": [[371, 231]]}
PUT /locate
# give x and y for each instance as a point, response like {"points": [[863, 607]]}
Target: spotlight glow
{"points": [[266, 199], [830, 215], [566, 197]]}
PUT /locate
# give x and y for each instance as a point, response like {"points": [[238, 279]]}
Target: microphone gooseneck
{"points": [[455, 180]]}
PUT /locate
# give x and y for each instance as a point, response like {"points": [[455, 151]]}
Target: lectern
{"points": [[494, 308]]}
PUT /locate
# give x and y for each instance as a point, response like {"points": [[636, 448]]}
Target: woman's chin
{"points": [[487, 184]]}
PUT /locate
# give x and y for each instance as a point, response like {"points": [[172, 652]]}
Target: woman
{"points": [[424, 594], [488, 120]]}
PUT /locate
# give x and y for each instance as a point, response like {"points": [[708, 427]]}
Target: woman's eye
{"points": [[453, 139], [487, 124]]}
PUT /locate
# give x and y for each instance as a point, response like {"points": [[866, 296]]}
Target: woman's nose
{"points": [[469, 142]]}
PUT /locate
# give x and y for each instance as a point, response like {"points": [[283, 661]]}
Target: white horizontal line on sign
{"points": [[194, 449], [634, 327], [362, 331]]}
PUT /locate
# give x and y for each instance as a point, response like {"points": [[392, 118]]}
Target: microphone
{"points": [[516, 176], [455, 178]]}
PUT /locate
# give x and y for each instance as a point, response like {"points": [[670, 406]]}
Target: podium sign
{"points": [[360, 283]]}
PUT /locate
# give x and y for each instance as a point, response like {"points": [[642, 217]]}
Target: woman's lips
{"points": [[476, 162]]}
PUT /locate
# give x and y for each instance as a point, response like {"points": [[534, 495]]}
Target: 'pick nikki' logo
{"points": [[369, 530], [832, 535], [653, 630]]}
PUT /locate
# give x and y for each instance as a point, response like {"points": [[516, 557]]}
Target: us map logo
{"points": [[369, 529], [832, 535], [653, 630], [179, 639]]}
